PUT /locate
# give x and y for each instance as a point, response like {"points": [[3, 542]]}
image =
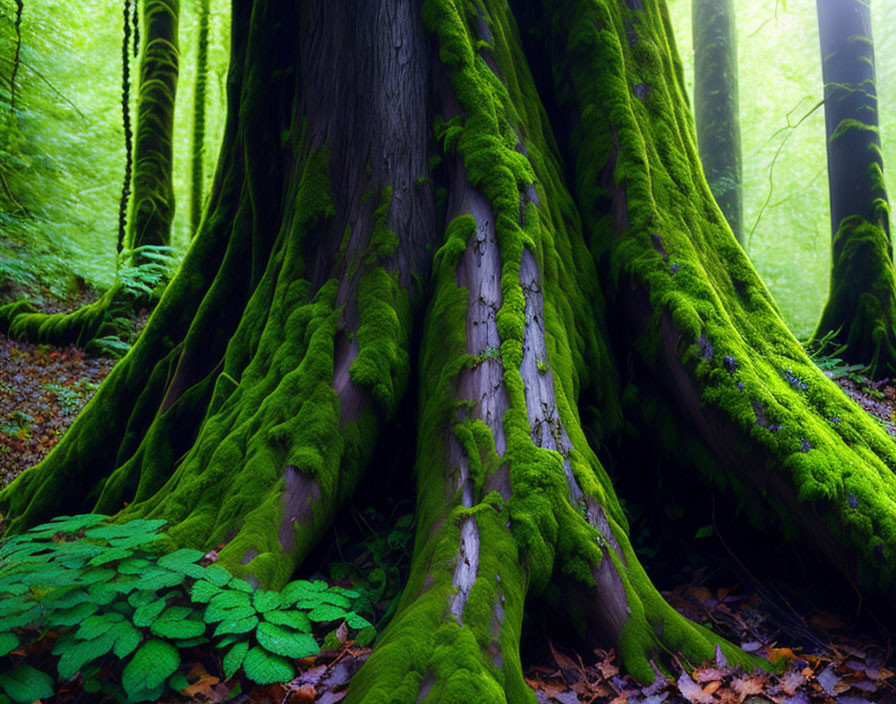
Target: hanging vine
{"points": [[126, 120], [20, 7]]}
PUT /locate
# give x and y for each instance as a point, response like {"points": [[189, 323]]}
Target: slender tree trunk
{"points": [[716, 105], [152, 205], [861, 307], [250, 406], [197, 156]]}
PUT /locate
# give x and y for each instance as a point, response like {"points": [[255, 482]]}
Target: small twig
{"points": [[771, 168]]}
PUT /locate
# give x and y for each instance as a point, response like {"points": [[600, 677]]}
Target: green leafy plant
{"points": [[113, 600]]}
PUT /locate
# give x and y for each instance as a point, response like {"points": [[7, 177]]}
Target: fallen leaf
{"points": [[691, 691]]}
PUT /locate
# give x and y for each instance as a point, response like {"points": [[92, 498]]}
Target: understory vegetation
{"points": [[452, 365]]}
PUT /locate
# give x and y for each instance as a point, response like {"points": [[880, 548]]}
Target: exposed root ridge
{"points": [[467, 566]]}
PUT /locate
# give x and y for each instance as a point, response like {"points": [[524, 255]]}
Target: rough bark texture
{"points": [[716, 105], [861, 307], [249, 408]]}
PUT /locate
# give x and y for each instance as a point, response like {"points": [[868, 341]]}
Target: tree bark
{"points": [[152, 205], [197, 179], [250, 406], [716, 106], [861, 307]]}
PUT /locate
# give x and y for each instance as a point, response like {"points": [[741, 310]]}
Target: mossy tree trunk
{"points": [[861, 306], [717, 107], [152, 205], [249, 408], [197, 178]]}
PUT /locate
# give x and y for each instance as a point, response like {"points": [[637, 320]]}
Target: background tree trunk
{"points": [[861, 307], [152, 205], [197, 179], [716, 106]]}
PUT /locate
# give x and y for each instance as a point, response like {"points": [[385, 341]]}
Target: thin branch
{"points": [[771, 167]]}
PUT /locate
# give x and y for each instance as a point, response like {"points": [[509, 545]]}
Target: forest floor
{"points": [[825, 652]]}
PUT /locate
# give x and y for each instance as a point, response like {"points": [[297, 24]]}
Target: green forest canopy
{"points": [[65, 161]]}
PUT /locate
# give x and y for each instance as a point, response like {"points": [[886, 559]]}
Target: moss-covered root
{"points": [[861, 307], [259, 414], [761, 419], [152, 205], [510, 496], [95, 320], [456, 636]]}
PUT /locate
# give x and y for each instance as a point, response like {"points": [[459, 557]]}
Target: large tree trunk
{"points": [[716, 106], [247, 411], [861, 307]]}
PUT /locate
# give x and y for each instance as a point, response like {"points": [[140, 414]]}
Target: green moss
{"points": [[715, 300], [382, 364], [850, 124]]}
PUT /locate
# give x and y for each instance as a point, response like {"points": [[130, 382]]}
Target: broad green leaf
{"points": [[95, 626], [64, 598], [176, 623], [236, 625], [234, 659], [231, 600], [263, 667], [326, 612], [159, 579], [16, 605], [31, 617], [151, 665], [228, 640], [110, 555], [8, 642], [102, 593], [357, 622], [178, 681], [335, 599], [286, 642], [72, 616], [141, 597], [98, 574], [241, 584], [146, 614], [72, 524], [204, 591], [217, 575], [125, 530], [128, 639], [133, 565], [294, 619], [265, 601], [190, 642], [80, 652], [73, 555], [184, 561], [135, 541], [25, 684]]}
